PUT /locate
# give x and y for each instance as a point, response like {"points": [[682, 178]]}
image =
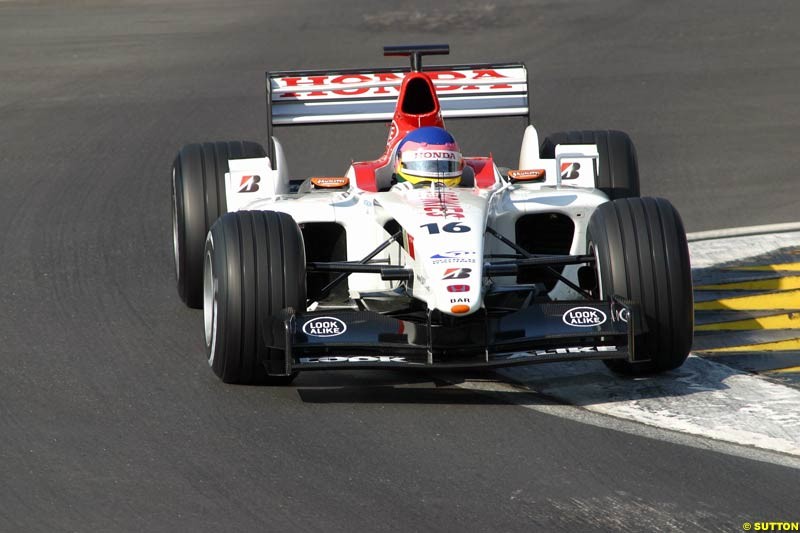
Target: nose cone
{"points": [[455, 263], [458, 288], [448, 226]]}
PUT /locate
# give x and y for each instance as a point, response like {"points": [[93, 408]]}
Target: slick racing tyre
{"points": [[254, 266], [642, 255], [618, 169], [198, 199]]}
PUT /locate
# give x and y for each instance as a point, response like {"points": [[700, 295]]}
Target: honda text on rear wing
{"points": [[370, 95]]}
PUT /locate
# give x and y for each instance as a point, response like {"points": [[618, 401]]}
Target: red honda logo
{"points": [[457, 288]]}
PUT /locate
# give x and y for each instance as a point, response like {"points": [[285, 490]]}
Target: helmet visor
{"points": [[432, 164]]}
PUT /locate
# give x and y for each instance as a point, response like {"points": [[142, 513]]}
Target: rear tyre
{"points": [[198, 200], [254, 266], [642, 255], [618, 169]]}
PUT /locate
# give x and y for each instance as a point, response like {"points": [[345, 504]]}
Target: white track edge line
{"points": [[551, 406], [742, 232]]}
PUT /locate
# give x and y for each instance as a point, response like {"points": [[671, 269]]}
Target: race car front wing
{"points": [[545, 332]]}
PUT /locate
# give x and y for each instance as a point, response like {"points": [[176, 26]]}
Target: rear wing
{"points": [[370, 95]]}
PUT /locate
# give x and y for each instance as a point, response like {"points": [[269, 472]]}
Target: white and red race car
{"points": [[554, 260]]}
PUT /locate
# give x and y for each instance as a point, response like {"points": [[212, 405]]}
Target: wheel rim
{"points": [[176, 243], [210, 306]]}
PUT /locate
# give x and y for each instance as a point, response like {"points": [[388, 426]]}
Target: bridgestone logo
{"points": [[355, 359], [324, 326], [249, 183], [584, 317]]}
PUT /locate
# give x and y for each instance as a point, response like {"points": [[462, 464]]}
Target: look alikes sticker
{"points": [[355, 359], [584, 317], [324, 326]]}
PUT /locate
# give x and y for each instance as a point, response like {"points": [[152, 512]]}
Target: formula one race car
{"points": [[424, 257]]}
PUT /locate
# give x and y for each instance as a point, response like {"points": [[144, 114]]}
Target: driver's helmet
{"points": [[427, 155]]}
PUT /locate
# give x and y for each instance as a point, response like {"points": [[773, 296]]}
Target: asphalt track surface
{"points": [[110, 419]]}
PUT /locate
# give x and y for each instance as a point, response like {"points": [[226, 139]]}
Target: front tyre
{"points": [[618, 168], [254, 266], [198, 200], [642, 255]]}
